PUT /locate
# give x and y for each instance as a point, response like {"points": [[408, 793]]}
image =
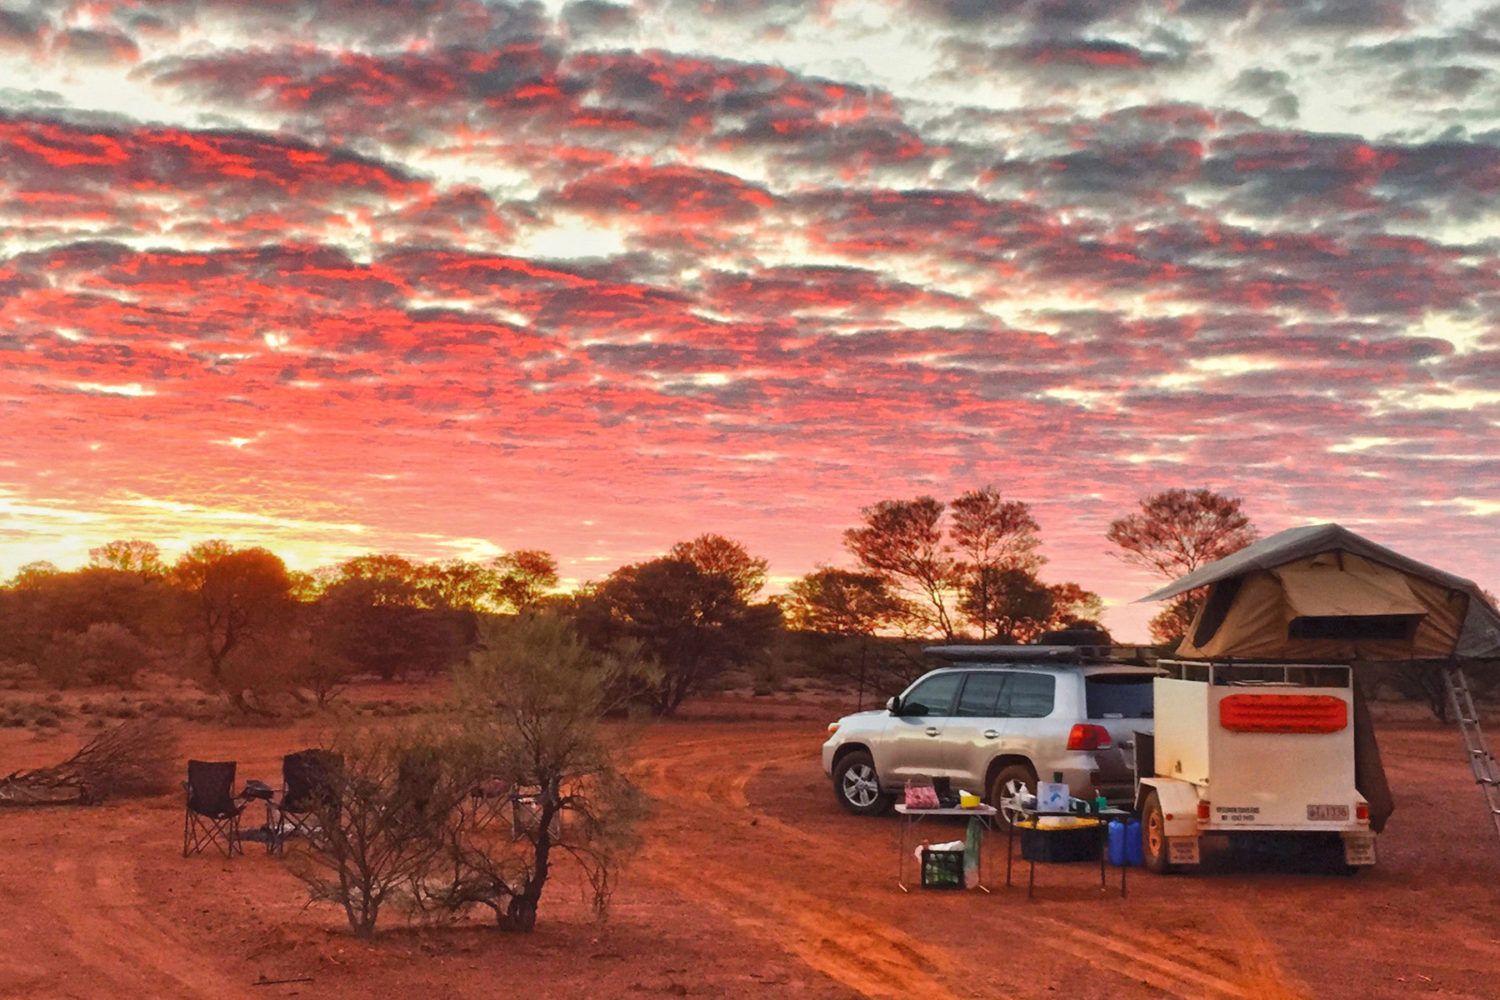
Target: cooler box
{"points": [[1072, 843]]}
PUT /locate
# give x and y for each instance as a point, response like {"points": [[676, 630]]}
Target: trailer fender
{"points": [[1179, 804]]}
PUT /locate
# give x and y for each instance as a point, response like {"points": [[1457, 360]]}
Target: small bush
{"points": [[104, 653], [380, 830]]}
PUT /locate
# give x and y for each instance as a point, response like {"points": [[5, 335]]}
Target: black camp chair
{"points": [[417, 776], [212, 815], [308, 783]]}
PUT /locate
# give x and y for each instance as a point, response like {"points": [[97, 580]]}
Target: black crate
{"points": [[942, 868], [1065, 844]]}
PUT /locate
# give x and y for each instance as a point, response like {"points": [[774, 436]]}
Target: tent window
{"points": [[1375, 627], [1220, 596]]}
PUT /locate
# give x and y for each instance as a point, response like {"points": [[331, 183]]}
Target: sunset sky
{"points": [[451, 277]]}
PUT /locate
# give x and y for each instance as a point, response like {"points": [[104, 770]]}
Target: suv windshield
{"points": [[1118, 696]]}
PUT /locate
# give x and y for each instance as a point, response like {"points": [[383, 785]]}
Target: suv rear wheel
{"points": [[857, 786], [1009, 780]]}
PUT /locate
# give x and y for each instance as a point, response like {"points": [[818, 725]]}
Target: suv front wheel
{"points": [[857, 786]]}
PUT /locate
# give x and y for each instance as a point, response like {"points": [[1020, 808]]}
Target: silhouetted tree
{"points": [[380, 624], [1023, 607], [902, 542], [522, 578], [130, 556], [720, 556], [1174, 533], [238, 596], [991, 535], [852, 607], [842, 602], [457, 583], [694, 624], [47, 608], [33, 572], [1072, 603]]}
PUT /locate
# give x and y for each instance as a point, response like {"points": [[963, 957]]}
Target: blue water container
{"points": [[1118, 854], [1133, 845]]}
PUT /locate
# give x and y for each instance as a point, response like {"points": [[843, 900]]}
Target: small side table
{"points": [[985, 814]]}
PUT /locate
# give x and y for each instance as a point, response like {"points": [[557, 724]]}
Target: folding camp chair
{"points": [[308, 783], [489, 800], [526, 813], [417, 775], [212, 814]]}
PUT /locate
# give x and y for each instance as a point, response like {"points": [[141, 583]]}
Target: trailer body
{"points": [[1255, 748]]}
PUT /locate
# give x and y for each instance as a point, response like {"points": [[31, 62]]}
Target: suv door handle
{"points": [[932, 730], [992, 734]]}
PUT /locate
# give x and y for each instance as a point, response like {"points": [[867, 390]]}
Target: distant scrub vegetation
{"points": [[237, 623]]}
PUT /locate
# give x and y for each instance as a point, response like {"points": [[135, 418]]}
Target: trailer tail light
{"points": [[1202, 812], [1362, 812], [1283, 713], [1086, 737]]}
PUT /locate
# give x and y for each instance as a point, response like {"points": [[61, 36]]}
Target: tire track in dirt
{"points": [[1258, 957], [98, 905], [866, 955], [714, 777]]}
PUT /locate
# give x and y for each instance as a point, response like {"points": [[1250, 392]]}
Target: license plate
{"points": [[1328, 814], [1359, 849], [1182, 850]]}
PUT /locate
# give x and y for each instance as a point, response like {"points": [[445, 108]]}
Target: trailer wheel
{"points": [[1154, 836]]}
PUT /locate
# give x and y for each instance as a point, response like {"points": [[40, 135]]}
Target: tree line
{"points": [[239, 621]]}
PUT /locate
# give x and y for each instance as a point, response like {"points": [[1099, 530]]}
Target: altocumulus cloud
{"points": [[434, 271]]}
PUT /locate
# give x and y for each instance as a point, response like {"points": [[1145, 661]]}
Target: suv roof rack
{"points": [[1042, 654]]}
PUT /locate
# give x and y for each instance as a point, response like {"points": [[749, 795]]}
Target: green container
{"points": [[942, 868]]}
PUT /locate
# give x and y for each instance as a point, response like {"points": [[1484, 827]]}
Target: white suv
{"points": [[996, 719]]}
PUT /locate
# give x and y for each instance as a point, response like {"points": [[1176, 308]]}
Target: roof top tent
{"points": [[1252, 679], [1325, 594]]}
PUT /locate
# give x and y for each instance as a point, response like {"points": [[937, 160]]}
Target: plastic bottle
{"points": [[1133, 847], [1100, 802], [1118, 854]]}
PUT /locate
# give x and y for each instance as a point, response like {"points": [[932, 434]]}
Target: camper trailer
{"points": [[1260, 726], [1250, 748]]}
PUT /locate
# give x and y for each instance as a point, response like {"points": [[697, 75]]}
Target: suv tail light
{"points": [[1087, 737], [1203, 812], [1362, 812]]}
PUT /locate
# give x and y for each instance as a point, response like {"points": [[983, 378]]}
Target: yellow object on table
{"points": [[1063, 823], [968, 800]]}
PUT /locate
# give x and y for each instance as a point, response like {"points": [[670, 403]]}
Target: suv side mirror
{"points": [[893, 704]]}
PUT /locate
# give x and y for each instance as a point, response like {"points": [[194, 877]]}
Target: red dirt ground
{"points": [[753, 883]]}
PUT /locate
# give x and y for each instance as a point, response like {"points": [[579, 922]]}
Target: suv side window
{"points": [[934, 696], [981, 695], [1028, 696]]}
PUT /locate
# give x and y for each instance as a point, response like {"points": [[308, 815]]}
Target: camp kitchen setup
{"points": [[1259, 730]]}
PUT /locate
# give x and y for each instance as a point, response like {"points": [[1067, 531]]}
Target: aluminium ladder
{"points": [[1481, 761]]}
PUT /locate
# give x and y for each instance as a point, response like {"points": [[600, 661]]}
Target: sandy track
{"points": [[754, 884], [702, 784]]}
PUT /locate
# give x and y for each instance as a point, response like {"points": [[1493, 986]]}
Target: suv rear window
{"points": [[1027, 696], [1118, 696]]}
